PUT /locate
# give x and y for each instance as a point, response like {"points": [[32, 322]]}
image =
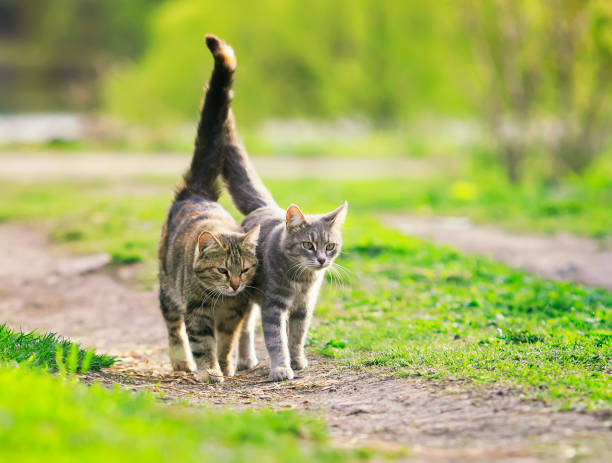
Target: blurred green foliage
{"points": [[547, 67], [384, 60], [52, 52], [535, 73]]}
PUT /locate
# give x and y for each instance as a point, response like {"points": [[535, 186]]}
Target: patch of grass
{"points": [[41, 350], [430, 311], [578, 206], [49, 418]]}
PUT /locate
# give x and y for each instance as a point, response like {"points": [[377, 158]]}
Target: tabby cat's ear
{"points": [[208, 240], [250, 238], [336, 218], [295, 219]]}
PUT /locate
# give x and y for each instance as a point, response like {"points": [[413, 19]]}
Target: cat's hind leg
{"points": [[228, 325], [247, 357], [178, 343], [200, 324], [299, 322], [274, 322]]}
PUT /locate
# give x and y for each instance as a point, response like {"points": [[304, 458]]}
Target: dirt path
{"points": [[560, 257], [43, 288], [93, 165]]}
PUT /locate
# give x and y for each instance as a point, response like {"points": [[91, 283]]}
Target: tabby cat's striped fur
{"points": [[205, 259]]}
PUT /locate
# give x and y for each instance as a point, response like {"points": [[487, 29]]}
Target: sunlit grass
{"points": [[430, 311], [50, 418], [44, 351]]}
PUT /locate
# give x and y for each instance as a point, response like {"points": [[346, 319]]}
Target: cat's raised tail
{"points": [[215, 118]]}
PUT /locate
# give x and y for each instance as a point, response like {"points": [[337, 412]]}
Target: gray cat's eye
{"points": [[308, 245], [330, 246], [222, 270], [244, 270]]}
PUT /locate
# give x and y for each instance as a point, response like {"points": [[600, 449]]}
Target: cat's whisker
{"points": [[342, 267], [295, 267], [206, 297], [299, 269], [336, 277], [303, 270], [253, 287], [343, 272]]}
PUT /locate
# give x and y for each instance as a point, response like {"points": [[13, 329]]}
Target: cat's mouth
{"points": [[319, 265], [231, 291]]}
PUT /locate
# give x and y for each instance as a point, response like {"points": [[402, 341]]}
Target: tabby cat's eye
{"points": [[244, 270], [308, 245], [330, 246], [222, 270]]}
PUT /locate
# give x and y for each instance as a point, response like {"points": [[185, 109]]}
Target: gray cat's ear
{"points": [[295, 219], [208, 240], [250, 238], [336, 218]]}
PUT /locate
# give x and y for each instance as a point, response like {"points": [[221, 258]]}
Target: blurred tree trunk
{"points": [[580, 126], [535, 56], [499, 32]]}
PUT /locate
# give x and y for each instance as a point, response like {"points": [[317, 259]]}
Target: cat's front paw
{"points": [[248, 363], [210, 376], [228, 370], [299, 363], [281, 374], [182, 365]]}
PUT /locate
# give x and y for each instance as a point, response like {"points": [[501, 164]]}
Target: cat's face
{"points": [[226, 264], [314, 242]]}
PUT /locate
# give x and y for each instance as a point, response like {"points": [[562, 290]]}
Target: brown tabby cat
{"points": [[205, 260]]}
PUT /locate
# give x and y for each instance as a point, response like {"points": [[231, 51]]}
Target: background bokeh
{"points": [[525, 80], [484, 126]]}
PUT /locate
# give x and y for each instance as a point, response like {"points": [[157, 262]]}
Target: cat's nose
{"points": [[321, 260], [235, 283]]}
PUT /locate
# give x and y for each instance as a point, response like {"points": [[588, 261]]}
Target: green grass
{"points": [[429, 311], [44, 351], [415, 308], [51, 418]]}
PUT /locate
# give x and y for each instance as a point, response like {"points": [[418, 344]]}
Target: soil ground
{"points": [[560, 257], [44, 288]]}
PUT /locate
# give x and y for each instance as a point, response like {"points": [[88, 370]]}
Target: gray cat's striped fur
{"points": [[205, 259], [293, 252]]}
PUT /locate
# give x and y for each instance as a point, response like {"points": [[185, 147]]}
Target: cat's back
{"points": [[187, 218], [268, 218], [185, 213]]}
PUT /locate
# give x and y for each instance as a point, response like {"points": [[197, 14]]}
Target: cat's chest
{"points": [[306, 294]]}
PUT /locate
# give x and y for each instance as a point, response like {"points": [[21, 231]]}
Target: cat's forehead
{"points": [[319, 229], [232, 252], [237, 250]]}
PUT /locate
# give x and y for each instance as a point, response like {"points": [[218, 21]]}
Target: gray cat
{"points": [[205, 259], [294, 250]]}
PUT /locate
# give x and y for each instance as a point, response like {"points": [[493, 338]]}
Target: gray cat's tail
{"points": [[244, 184], [246, 188], [214, 127]]}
